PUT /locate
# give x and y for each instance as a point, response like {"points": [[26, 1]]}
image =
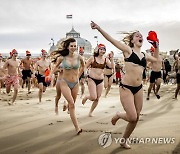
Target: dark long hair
{"points": [[96, 53], [63, 49]]}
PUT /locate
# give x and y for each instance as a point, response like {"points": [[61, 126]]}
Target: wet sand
{"points": [[32, 128]]}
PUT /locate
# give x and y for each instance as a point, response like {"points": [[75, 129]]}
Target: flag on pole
{"points": [[69, 16]]}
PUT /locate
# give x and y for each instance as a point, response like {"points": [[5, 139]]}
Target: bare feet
{"points": [[56, 110], [125, 145], [81, 95], [10, 103], [65, 106], [91, 115], [158, 97], [84, 100], [115, 118], [79, 131]]}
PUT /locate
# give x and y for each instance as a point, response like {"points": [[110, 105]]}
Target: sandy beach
{"points": [[32, 128]]}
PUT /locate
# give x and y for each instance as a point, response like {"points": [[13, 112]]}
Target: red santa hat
{"points": [[13, 51], [28, 53], [43, 51], [101, 46]]}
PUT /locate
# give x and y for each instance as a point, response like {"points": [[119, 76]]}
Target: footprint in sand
{"points": [[94, 131], [116, 133], [112, 107], [143, 114], [141, 120], [102, 123], [59, 121], [106, 112], [48, 100], [90, 131], [51, 123]]}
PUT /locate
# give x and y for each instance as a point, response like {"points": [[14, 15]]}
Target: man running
{"points": [[12, 66], [27, 66], [155, 77], [41, 67]]}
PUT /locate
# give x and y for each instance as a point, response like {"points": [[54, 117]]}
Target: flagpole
{"points": [[72, 22], [70, 16], [96, 37]]}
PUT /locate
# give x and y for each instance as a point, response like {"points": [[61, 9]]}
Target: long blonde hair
{"points": [[129, 37]]}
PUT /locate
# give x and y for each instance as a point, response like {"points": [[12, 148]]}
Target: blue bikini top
{"points": [[68, 67], [133, 58]]}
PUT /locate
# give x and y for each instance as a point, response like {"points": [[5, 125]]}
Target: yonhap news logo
{"points": [[105, 140]]}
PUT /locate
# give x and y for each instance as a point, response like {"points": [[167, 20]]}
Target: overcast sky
{"points": [[30, 24]]}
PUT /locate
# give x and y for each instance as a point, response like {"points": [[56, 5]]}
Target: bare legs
{"points": [[95, 92], [58, 96], [29, 85], [132, 104], [82, 82], [70, 96], [8, 89], [107, 84], [156, 84], [149, 90], [41, 90], [177, 90]]}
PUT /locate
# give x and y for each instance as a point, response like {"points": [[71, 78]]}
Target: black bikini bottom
{"points": [[108, 76], [95, 80], [134, 90]]}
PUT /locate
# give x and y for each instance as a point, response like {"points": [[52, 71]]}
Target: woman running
{"points": [[69, 83], [108, 75], [97, 64], [131, 92]]}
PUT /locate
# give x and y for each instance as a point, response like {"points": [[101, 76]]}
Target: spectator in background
{"points": [[166, 70], [118, 69]]}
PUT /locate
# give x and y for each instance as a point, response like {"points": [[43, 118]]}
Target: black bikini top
{"points": [[133, 58]]}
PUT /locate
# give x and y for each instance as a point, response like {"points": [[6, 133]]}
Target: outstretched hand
{"points": [[94, 25]]}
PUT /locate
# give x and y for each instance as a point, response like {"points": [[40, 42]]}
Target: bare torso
{"points": [[26, 64], [12, 66], [133, 72], [156, 66], [97, 73], [42, 66], [1, 69], [71, 74]]}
